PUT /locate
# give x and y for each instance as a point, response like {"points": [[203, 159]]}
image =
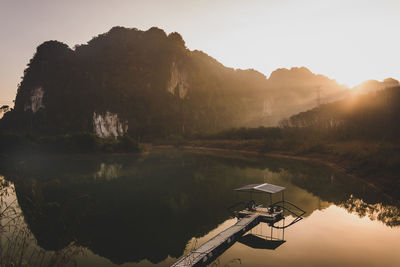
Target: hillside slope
{"points": [[148, 84]]}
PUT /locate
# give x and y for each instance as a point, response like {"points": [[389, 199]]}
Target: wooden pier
{"points": [[213, 248], [247, 220]]}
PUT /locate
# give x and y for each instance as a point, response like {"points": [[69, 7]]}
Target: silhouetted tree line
{"points": [[371, 116]]}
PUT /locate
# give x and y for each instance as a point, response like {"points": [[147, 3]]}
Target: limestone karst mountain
{"points": [[145, 83], [149, 85]]}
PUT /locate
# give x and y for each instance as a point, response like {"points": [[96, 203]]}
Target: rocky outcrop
{"points": [[109, 125], [35, 100], [177, 83]]}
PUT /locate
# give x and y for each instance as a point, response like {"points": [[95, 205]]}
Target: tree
{"points": [[4, 109]]}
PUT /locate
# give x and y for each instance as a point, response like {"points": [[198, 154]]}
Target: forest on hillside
{"points": [[163, 91], [156, 86], [150, 79], [359, 133], [371, 116]]}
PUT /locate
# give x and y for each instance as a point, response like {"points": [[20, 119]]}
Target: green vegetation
{"points": [[359, 133], [166, 93], [156, 85], [372, 116], [150, 79]]}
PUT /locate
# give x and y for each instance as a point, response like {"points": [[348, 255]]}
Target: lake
{"points": [[150, 209]]}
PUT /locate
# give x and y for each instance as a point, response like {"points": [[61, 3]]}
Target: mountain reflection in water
{"points": [[133, 208]]}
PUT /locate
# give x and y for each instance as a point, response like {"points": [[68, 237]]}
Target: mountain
{"points": [[148, 84], [298, 89], [374, 86], [372, 116], [145, 83]]}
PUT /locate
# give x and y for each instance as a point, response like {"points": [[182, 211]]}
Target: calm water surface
{"points": [[151, 209]]}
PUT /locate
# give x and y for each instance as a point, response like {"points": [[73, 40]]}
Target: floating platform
{"points": [[264, 214], [213, 248]]}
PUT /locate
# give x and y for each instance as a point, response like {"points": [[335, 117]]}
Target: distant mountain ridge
{"points": [[148, 84], [298, 89], [374, 85]]}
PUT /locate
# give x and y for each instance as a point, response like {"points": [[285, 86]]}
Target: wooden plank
{"points": [[265, 216], [219, 243]]}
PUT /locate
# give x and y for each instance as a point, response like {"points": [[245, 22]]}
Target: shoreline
{"points": [[316, 158], [282, 155]]}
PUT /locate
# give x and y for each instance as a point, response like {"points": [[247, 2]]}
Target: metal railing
{"points": [[298, 216]]}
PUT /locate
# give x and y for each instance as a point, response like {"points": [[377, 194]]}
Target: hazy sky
{"points": [[349, 41]]}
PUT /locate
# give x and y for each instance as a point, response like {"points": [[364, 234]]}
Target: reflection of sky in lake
{"points": [[329, 237], [151, 209]]}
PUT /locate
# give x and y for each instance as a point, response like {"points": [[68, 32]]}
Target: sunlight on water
{"points": [[150, 210], [330, 237]]}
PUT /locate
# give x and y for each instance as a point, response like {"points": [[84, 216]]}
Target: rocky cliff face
{"points": [[109, 125], [150, 81], [178, 82], [35, 101], [145, 79]]}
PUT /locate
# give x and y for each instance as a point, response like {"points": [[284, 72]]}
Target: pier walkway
{"points": [[247, 220], [213, 248]]}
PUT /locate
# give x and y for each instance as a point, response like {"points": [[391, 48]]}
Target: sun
{"points": [[349, 81]]}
